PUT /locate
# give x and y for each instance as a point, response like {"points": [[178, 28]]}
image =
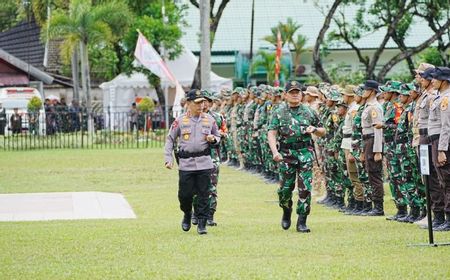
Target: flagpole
{"points": [[166, 88]]}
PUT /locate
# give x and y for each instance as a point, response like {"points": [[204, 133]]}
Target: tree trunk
{"points": [[197, 83], [87, 79], [409, 53], [205, 53], [75, 73], [316, 51], [83, 78]]}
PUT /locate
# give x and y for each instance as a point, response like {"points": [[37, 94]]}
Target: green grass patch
{"points": [[248, 243]]}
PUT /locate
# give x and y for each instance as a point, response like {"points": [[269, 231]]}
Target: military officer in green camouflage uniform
{"points": [[249, 115], [390, 94], [293, 126], [405, 152]]}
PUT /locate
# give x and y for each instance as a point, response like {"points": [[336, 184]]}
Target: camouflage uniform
{"points": [[412, 189], [296, 149], [249, 115], [392, 160]]}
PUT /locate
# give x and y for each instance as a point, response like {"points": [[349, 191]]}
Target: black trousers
{"points": [[194, 183], [375, 171], [434, 185], [443, 174]]}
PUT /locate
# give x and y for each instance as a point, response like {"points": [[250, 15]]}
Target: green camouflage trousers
{"points": [[411, 186], [230, 147], [344, 184], [266, 154], [241, 145], [395, 173], [296, 166], [363, 176], [330, 167]]}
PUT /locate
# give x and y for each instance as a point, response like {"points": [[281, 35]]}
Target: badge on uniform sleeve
{"points": [[335, 118], [186, 137], [354, 113], [374, 114], [444, 104]]}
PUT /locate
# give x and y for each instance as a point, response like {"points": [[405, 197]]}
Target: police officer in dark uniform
{"points": [[196, 132]]}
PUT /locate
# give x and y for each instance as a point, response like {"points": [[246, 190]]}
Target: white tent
{"points": [[119, 93]]}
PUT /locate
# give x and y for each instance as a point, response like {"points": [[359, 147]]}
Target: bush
{"points": [[34, 104], [146, 105], [431, 55]]}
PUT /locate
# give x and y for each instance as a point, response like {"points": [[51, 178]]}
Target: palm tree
{"points": [[83, 25], [287, 31], [266, 60]]}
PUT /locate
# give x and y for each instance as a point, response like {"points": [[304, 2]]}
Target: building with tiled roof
{"points": [[234, 33]]}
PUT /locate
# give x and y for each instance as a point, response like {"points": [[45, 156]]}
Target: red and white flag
{"points": [[277, 59], [150, 59]]}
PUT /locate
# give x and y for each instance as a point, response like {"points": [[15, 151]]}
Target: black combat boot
{"points": [[286, 218], [359, 206], [194, 219], [351, 205], [201, 228], [186, 222], [377, 209], [402, 211], [332, 201], [414, 216], [367, 208], [301, 224], [438, 220], [210, 221], [445, 226], [340, 203]]}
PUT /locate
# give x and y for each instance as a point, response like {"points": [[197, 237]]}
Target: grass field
{"points": [[248, 243]]}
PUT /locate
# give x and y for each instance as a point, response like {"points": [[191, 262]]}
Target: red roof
{"points": [[7, 79]]}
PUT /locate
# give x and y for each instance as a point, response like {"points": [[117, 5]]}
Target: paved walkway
{"points": [[64, 206]]}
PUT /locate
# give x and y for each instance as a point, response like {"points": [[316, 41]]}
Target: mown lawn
{"points": [[248, 243]]}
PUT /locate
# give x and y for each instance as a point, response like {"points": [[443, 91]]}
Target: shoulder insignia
{"points": [[374, 114], [444, 104], [354, 113], [410, 116]]}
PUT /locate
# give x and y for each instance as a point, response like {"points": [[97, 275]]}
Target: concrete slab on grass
{"points": [[64, 206]]}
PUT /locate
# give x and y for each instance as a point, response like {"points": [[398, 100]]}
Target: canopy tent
{"points": [[120, 93]]}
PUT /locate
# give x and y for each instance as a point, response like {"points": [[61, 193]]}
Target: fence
{"points": [[78, 130]]}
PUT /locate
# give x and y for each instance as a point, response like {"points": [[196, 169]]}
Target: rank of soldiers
{"points": [[346, 141]]}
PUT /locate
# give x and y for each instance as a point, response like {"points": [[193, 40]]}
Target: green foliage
{"points": [[103, 62], [8, 14], [342, 76], [431, 55], [266, 61], [288, 33], [35, 104], [401, 76], [92, 25], [146, 105]]}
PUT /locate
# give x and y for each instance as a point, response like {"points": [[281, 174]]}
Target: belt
{"points": [[368, 136], [295, 146], [184, 154], [433, 137], [423, 131], [347, 135]]}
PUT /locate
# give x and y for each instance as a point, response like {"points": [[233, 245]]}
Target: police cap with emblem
{"points": [[195, 95]]}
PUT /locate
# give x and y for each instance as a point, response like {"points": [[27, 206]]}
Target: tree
{"points": [[159, 32], [394, 16], [435, 13], [8, 14], [287, 32], [266, 60], [214, 24], [85, 25]]}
